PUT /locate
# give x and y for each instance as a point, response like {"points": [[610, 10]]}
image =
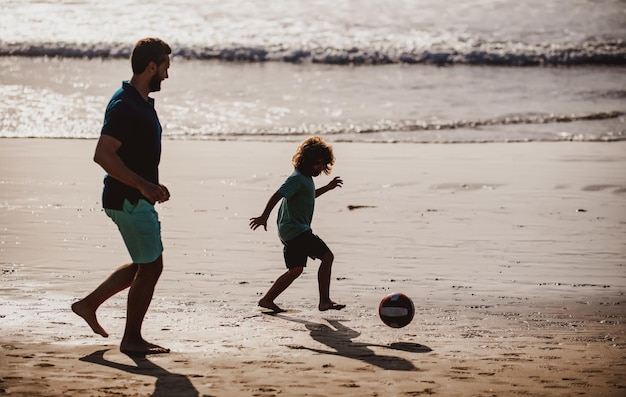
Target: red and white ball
{"points": [[396, 310]]}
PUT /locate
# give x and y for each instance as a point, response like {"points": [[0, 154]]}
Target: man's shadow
{"points": [[339, 338], [167, 383]]}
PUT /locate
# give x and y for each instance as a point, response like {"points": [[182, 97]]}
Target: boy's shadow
{"points": [[167, 383], [340, 338]]}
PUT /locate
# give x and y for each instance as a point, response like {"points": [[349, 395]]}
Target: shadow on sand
{"points": [[340, 339], [167, 383]]}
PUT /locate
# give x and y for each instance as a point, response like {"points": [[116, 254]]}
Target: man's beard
{"points": [[155, 83]]}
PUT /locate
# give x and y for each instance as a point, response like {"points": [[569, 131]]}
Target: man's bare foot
{"points": [[330, 306], [142, 349], [271, 305], [89, 315]]}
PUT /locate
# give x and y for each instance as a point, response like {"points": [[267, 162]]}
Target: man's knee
{"points": [[152, 269]]}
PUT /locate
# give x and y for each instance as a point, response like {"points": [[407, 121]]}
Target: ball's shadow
{"points": [[339, 338]]}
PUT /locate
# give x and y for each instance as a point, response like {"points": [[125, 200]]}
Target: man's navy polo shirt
{"points": [[133, 121]]}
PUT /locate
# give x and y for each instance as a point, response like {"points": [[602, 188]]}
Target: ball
{"points": [[396, 310]]}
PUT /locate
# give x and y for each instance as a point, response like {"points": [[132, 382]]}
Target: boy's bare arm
{"points": [[336, 182], [262, 220]]}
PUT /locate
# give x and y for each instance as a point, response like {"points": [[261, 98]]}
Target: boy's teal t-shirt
{"points": [[296, 209]]}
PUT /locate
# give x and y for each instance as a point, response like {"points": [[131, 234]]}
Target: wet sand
{"points": [[513, 254]]}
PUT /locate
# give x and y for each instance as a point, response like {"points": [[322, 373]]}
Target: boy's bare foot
{"points": [[141, 349], [271, 305], [89, 315], [330, 306]]}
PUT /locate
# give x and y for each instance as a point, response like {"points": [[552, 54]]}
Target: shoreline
{"points": [[512, 254], [343, 104], [295, 139]]}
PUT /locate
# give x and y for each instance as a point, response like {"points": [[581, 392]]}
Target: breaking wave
{"points": [[463, 51], [415, 127]]}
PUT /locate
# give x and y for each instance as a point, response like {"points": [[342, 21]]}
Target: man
{"points": [[129, 150]]}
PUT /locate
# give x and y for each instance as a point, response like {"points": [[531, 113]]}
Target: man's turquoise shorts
{"points": [[140, 228]]}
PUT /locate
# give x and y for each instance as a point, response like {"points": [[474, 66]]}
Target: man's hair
{"points": [[148, 50], [310, 151]]}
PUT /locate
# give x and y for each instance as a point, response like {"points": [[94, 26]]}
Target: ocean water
{"points": [[364, 71]]}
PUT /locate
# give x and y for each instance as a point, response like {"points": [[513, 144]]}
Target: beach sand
{"points": [[514, 255]]}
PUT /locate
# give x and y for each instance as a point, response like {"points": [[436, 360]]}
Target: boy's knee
{"points": [[296, 271], [328, 257]]}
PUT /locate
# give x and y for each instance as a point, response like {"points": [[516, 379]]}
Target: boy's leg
{"points": [[280, 285], [119, 280], [323, 279]]}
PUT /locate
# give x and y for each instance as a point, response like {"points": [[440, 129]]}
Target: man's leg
{"points": [[119, 280], [139, 299]]}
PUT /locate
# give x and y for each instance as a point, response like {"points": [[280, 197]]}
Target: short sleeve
{"points": [[116, 120], [290, 186]]}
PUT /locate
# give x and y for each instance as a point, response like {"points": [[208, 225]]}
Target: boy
{"points": [[298, 194]]}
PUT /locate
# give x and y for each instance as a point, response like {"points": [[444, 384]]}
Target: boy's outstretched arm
{"points": [[262, 220], [337, 181]]}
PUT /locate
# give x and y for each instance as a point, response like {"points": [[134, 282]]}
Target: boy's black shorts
{"points": [[297, 250]]}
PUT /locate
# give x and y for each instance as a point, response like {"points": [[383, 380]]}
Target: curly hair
{"points": [[148, 50], [310, 151]]}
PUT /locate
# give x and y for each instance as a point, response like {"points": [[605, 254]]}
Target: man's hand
{"points": [[155, 193]]}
